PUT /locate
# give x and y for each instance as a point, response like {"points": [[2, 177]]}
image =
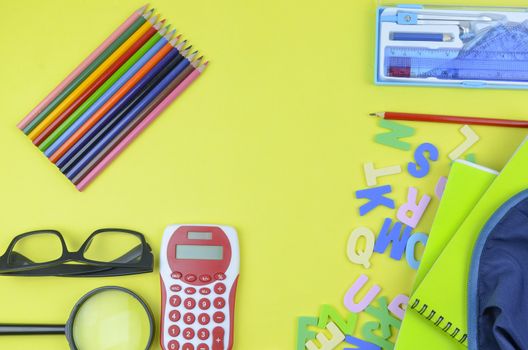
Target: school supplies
{"points": [[410, 36], [106, 252], [113, 94], [199, 269], [466, 184], [105, 318], [435, 118], [489, 47], [441, 298]]}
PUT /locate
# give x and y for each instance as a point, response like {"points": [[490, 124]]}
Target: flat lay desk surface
{"points": [[271, 140]]}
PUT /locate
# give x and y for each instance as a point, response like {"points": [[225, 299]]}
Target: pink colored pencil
{"points": [[81, 68], [141, 126]]}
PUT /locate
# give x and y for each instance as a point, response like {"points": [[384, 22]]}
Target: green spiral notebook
{"points": [[466, 184], [441, 298]]}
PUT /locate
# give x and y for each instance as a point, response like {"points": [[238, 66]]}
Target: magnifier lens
{"points": [[111, 320]]}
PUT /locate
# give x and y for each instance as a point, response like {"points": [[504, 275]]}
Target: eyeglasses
{"points": [[106, 252]]}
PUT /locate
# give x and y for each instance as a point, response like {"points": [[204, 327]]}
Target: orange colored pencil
{"points": [[112, 101]]}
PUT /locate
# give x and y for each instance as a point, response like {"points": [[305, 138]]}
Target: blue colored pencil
{"points": [[412, 36], [129, 117]]}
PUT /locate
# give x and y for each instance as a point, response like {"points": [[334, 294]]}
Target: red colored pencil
{"points": [[435, 118], [96, 84]]}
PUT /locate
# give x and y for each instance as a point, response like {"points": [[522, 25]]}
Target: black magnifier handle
{"points": [[20, 329]]}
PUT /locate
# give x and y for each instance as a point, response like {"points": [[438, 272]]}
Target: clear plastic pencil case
{"points": [[484, 47]]}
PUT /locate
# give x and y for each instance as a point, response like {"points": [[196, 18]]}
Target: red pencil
{"points": [[435, 118], [96, 84]]}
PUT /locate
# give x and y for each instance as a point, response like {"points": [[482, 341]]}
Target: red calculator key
{"points": [[220, 288], [176, 275], [174, 331], [218, 317], [189, 303], [188, 333], [205, 278], [188, 346], [204, 319], [189, 318], [219, 276], [203, 347], [173, 345], [218, 338], [190, 290], [175, 288], [174, 315], [175, 300], [203, 334], [205, 291], [190, 278], [219, 302], [204, 304]]}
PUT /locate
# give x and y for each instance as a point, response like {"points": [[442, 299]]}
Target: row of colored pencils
{"points": [[114, 94]]}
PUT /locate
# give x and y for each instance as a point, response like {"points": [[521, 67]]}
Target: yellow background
{"points": [[271, 140]]}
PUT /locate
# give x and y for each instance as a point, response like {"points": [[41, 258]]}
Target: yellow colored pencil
{"points": [[91, 78]]}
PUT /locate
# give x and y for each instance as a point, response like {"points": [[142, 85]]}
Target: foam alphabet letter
{"points": [[421, 167], [471, 139], [398, 305], [440, 186], [416, 211], [336, 337], [360, 343], [328, 313], [356, 287], [361, 257], [376, 197], [386, 320], [388, 236], [397, 132], [303, 333], [411, 248], [372, 174]]}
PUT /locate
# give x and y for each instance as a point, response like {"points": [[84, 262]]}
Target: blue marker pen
{"points": [[413, 36]]}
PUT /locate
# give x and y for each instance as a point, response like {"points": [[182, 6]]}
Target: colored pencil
{"points": [[510, 123], [89, 70], [94, 102], [138, 129], [83, 162], [93, 77], [113, 115], [135, 122], [75, 129], [101, 84], [84, 64]]}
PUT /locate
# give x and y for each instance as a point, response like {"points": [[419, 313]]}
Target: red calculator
{"points": [[199, 268]]}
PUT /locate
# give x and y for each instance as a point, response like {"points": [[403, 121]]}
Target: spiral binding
{"points": [[452, 331]]}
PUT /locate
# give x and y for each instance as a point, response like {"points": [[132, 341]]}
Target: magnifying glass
{"points": [[107, 318]]}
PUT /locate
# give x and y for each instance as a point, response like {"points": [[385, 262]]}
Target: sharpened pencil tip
{"points": [[141, 10], [203, 66], [192, 56], [163, 30], [377, 114], [148, 14], [181, 45], [170, 34]]}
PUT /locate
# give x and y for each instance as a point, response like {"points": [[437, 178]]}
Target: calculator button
{"points": [[204, 304], [188, 333], [220, 288], [175, 300], [174, 315], [205, 278], [190, 278], [188, 346], [218, 338], [176, 275], [204, 319], [175, 288], [205, 291], [174, 345], [219, 303], [203, 334], [189, 303], [189, 318], [203, 347], [218, 317], [219, 276], [190, 290], [174, 331]]}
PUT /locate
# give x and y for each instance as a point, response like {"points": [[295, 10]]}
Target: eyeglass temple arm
{"points": [[133, 254], [19, 329]]}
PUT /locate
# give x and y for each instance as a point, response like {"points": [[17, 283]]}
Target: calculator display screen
{"points": [[199, 252]]}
